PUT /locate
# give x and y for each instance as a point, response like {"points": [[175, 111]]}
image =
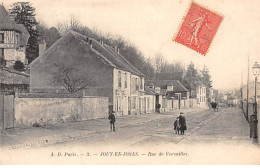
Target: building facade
{"points": [[114, 76], [13, 39], [201, 96]]}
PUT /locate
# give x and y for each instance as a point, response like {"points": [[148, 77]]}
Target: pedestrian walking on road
{"points": [[177, 125], [112, 120], [182, 121]]}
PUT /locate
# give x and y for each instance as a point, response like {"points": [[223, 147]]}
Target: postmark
{"points": [[198, 28]]}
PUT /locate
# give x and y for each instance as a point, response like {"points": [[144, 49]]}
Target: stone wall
{"points": [[53, 110]]}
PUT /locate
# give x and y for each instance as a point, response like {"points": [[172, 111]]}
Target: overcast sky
{"points": [[151, 24]]}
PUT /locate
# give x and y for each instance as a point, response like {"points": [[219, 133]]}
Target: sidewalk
{"points": [[51, 134]]}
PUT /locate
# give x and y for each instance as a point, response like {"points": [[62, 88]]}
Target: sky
{"points": [[151, 25]]}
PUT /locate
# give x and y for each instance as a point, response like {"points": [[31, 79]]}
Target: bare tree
{"points": [[68, 77]]}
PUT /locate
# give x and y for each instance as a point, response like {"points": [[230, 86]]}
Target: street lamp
{"points": [[253, 117]]}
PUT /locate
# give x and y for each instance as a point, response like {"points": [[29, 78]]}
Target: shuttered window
{"points": [[1, 37]]}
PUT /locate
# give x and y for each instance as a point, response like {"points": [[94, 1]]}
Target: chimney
{"points": [[42, 47], [87, 40], [118, 50], [115, 48], [90, 43]]}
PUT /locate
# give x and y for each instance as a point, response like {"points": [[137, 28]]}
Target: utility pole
{"points": [[247, 88]]}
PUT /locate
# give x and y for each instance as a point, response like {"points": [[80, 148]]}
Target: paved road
{"points": [[226, 126]]}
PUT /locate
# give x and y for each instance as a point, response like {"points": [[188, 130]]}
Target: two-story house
{"points": [[13, 39], [202, 95], [113, 75]]}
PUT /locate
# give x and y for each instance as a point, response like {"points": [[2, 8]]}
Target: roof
{"points": [[103, 52], [10, 76], [9, 24], [177, 86], [149, 91], [133, 69]]}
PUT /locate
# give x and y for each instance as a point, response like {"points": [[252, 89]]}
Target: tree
{"points": [[129, 51], [69, 77], [25, 14], [49, 35], [206, 79], [192, 78], [18, 65]]}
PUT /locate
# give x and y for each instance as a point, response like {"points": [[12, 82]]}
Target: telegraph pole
{"points": [[247, 88]]}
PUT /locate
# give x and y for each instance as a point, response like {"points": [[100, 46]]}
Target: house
{"points": [[113, 75], [150, 99], [13, 39], [251, 92], [170, 90], [201, 95]]}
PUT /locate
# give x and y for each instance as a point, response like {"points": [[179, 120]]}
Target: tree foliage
{"points": [[127, 49], [192, 78], [25, 14], [70, 78], [50, 35], [18, 65]]}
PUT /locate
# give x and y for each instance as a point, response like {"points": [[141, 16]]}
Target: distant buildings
{"points": [[251, 93], [167, 91]]}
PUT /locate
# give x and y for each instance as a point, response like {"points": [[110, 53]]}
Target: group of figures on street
{"points": [[180, 124]]}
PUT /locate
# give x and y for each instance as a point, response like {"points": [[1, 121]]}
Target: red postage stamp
{"points": [[198, 28]]}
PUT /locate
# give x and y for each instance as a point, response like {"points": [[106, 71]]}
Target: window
{"points": [[133, 103], [141, 84], [119, 79], [125, 80], [148, 103], [1, 37], [136, 84], [2, 52]]}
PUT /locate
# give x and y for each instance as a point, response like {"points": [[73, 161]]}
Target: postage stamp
{"points": [[198, 28]]}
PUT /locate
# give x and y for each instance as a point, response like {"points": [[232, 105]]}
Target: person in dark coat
{"points": [[177, 125], [182, 121], [112, 120]]}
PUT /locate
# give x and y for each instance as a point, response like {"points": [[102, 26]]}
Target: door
{"points": [[140, 105], [1, 111], [144, 105], [6, 111], [179, 101], [9, 111], [125, 105]]}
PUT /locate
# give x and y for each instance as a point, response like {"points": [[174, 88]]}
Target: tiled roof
{"points": [[126, 63], [177, 86], [103, 52], [149, 91], [8, 24], [10, 76]]}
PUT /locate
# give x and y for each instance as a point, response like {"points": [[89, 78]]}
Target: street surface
{"points": [[228, 125], [204, 126]]}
